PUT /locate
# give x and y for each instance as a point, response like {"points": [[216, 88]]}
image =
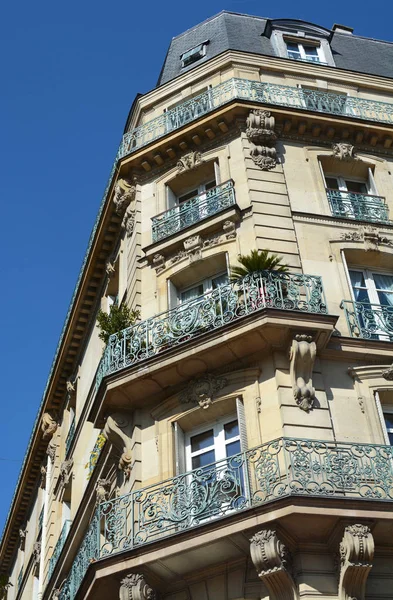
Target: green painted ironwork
{"points": [[369, 321], [255, 91], [70, 436], [227, 303], [193, 210], [20, 579], [277, 469], [59, 547], [361, 207], [41, 519]]}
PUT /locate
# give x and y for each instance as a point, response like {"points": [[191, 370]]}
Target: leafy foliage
{"points": [[118, 318], [4, 585], [257, 261]]}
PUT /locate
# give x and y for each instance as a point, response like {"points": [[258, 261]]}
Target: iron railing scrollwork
{"points": [[59, 547], [277, 469], [227, 303], [369, 321], [192, 211], [361, 207], [70, 436]]}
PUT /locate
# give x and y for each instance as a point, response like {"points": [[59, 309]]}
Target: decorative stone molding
{"points": [[118, 430], [110, 268], [51, 451], [22, 538], [388, 373], [369, 235], [343, 151], [135, 587], [356, 556], [36, 554], [159, 263], [302, 356], [102, 491], [272, 562], [43, 477], [201, 390], [189, 161], [262, 137], [65, 472], [229, 229], [258, 403], [193, 247], [128, 222], [125, 191], [48, 425]]}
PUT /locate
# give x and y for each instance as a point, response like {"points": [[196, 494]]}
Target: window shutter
{"points": [[241, 417], [172, 294], [322, 173], [179, 449], [217, 172], [372, 189], [171, 199]]}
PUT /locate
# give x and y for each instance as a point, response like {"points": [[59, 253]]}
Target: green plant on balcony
{"points": [[257, 261], [118, 318]]}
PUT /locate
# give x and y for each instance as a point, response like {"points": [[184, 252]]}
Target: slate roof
{"points": [[233, 31]]}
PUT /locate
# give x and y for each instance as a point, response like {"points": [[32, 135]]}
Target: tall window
{"points": [[388, 416], [304, 51], [374, 294], [207, 285], [212, 443]]}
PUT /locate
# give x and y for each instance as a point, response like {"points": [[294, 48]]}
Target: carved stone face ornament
{"points": [[202, 389], [189, 161], [343, 151]]}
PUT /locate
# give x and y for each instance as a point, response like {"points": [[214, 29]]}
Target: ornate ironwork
{"points": [[41, 519], [361, 207], [59, 547], [283, 467], [369, 321], [255, 91], [20, 579], [256, 291], [193, 210], [70, 436]]}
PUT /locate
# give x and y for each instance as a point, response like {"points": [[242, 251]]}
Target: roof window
{"points": [[191, 56]]}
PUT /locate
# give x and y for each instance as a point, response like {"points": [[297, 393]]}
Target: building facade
{"points": [[235, 441]]}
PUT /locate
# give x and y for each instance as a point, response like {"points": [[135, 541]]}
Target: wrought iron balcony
{"points": [[193, 210], [361, 207], [59, 547], [70, 435], [369, 321], [41, 519], [281, 468], [209, 312], [19, 580], [255, 91]]}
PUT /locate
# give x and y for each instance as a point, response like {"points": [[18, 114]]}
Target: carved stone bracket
{"points": [[110, 268], [118, 430], [22, 538], [125, 191], [262, 137], [36, 555], [343, 151], [189, 161], [272, 562], [388, 373], [102, 490], [202, 389], [65, 472], [356, 556], [51, 451], [193, 247], [159, 263], [302, 356], [43, 477], [48, 425], [135, 587], [369, 235]]}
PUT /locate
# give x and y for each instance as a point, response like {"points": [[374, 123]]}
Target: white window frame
{"points": [[370, 286], [382, 410], [303, 55], [200, 189], [219, 443], [199, 49], [207, 286]]}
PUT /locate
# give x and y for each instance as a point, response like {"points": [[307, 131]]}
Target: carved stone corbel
{"points": [[343, 151], [118, 430], [159, 263], [48, 425], [125, 191], [43, 477], [262, 137], [302, 356], [272, 562], [193, 247], [110, 268], [22, 538], [135, 587], [36, 555], [388, 373], [356, 556], [51, 451], [189, 161], [65, 472], [229, 229], [102, 490]]}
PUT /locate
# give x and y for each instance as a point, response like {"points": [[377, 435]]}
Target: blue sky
{"points": [[70, 72]]}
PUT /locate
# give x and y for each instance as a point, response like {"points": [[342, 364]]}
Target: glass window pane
{"points": [[233, 448], [388, 420], [383, 282], [192, 293], [202, 440], [357, 279], [311, 51], [231, 429], [390, 438], [201, 460], [219, 281], [210, 185], [356, 186], [332, 183], [187, 196]]}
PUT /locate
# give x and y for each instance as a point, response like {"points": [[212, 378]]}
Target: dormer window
{"points": [[193, 55], [304, 51]]}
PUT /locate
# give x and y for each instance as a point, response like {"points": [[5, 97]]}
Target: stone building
{"points": [[234, 443]]}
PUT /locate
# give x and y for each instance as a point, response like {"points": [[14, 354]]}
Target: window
{"points": [[388, 417], [304, 51], [193, 55], [374, 293], [196, 291], [212, 444]]}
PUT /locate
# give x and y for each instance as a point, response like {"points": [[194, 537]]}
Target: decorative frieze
{"points": [[356, 556], [272, 562], [262, 137], [302, 356], [118, 430], [201, 390], [135, 587], [343, 151], [369, 235], [189, 161]]}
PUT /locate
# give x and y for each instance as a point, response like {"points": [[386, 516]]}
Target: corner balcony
{"points": [[279, 469], [267, 94], [369, 321], [361, 207], [193, 211]]}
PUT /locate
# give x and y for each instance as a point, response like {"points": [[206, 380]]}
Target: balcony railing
{"points": [[209, 312], [59, 547], [278, 469], [361, 207], [41, 519], [259, 92], [70, 435], [193, 210], [369, 321], [19, 580]]}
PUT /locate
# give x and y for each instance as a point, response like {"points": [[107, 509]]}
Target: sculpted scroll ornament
{"points": [[189, 161], [271, 560], [262, 137], [135, 587], [302, 356], [102, 490], [356, 556], [202, 389], [118, 430]]}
